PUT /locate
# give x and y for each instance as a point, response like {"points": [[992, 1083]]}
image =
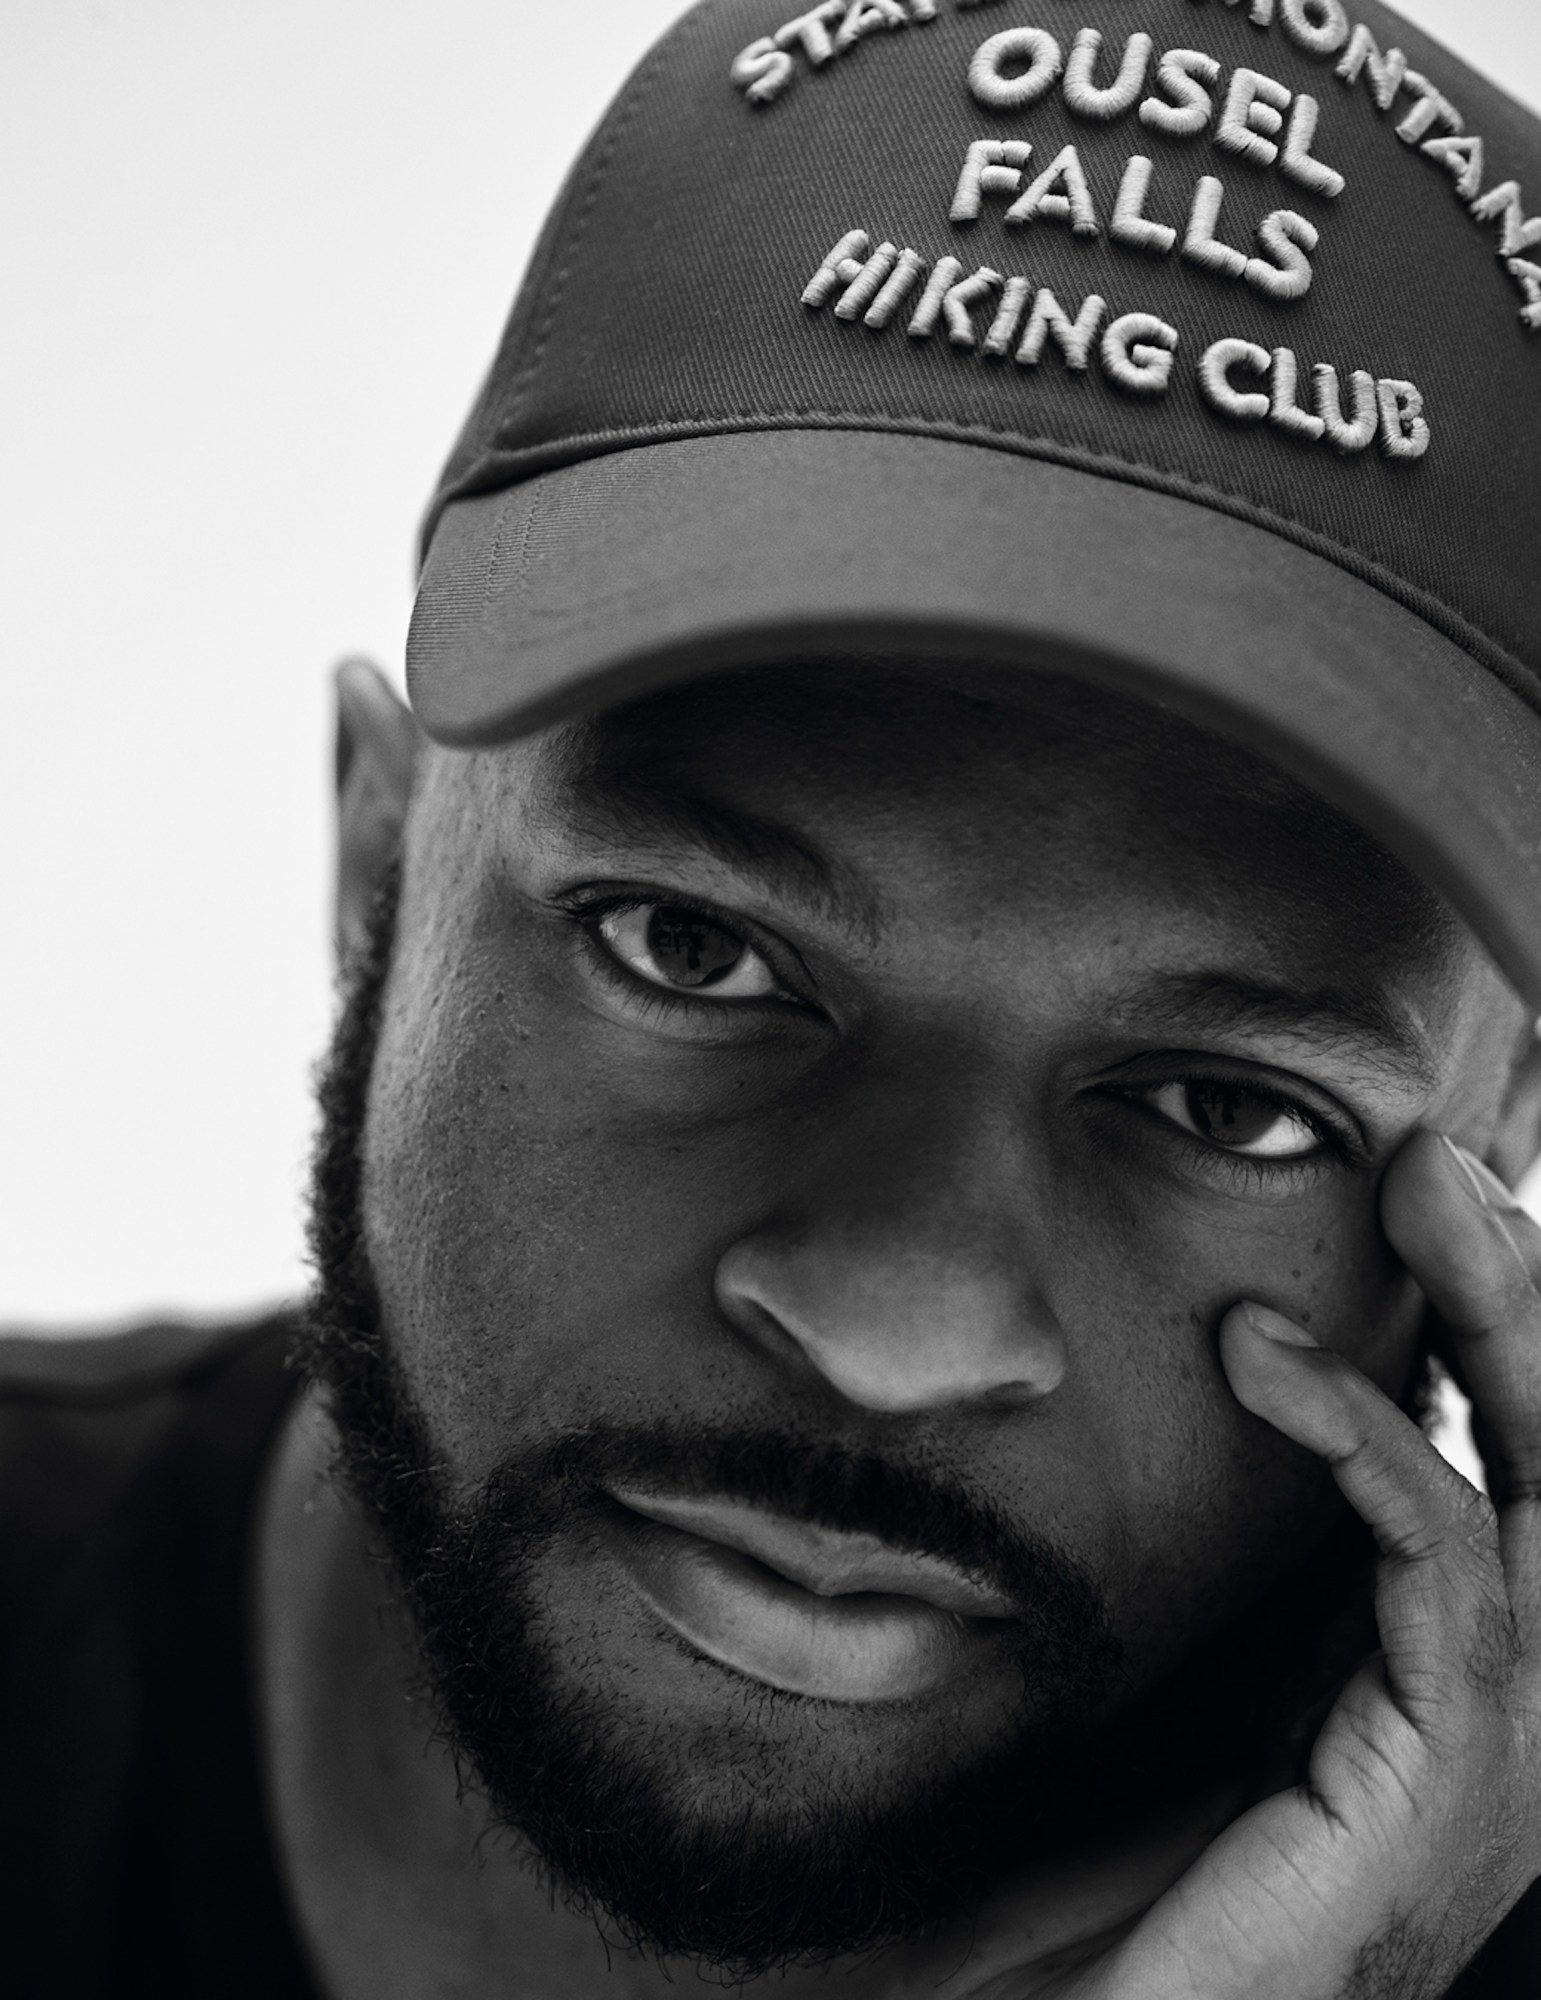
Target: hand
{"points": [[1418, 1826]]}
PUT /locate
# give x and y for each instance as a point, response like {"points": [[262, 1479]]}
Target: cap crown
{"points": [[1269, 255]]}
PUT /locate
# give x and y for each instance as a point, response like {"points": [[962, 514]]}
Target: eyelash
{"points": [[1338, 1145], [588, 912]]}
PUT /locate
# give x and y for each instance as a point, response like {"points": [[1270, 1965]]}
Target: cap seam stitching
{"points": [[624, 112], [1454, 624]]}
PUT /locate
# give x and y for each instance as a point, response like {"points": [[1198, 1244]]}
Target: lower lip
{"points": [[861, 1647]]}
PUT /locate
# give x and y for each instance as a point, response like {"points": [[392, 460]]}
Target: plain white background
{"points": [[256, 255]]}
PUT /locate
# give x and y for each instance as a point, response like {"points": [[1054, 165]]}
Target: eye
{"points": [[686, 951], [1238, 1117]]}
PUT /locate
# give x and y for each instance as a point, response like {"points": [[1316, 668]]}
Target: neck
{"points": [[402, 1884]]}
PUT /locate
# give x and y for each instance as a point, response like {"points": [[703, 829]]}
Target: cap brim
{"points": [[608, 578]]}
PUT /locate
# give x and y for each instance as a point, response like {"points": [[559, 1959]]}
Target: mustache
{"points": [[816, 1481]]}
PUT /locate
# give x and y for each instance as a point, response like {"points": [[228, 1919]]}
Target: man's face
{"points": [[821, 1118]]}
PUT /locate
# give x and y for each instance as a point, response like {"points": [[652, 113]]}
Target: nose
{"points": [[906, 1271]]}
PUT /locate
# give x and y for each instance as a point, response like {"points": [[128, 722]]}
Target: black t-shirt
{"points": [[136, 1858], [135, 1854]]}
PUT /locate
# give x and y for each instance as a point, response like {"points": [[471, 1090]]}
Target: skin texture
{"points": [[927, 1199]]}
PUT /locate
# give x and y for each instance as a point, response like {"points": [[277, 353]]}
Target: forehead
{"points": [[1048, 785]]}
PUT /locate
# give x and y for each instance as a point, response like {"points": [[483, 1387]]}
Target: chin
{"points": [[747, 1828], [703, 1815]]}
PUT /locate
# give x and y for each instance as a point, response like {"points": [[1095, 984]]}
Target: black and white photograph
{"points": [[771, 1055]]}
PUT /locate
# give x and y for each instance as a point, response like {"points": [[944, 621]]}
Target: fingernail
{"points": [[1274, 1326], [1478, 1179]]}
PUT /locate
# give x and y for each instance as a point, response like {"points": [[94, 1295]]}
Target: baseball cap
{"points": [[1189, 346]]}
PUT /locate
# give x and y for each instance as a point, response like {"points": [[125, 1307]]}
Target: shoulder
{"points": [[127, 1464], [83, 1415], [122, 1365]]}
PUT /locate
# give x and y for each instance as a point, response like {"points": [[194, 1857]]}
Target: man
{"points": [[939, 1017]]}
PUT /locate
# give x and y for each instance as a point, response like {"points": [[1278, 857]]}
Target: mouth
{"points": [[811, 1610]]}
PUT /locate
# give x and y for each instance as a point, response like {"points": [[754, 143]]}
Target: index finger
{"points": [[1477, 1256]]}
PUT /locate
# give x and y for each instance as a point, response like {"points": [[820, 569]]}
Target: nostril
{"points": [[755, 1323], [1016, 1395]]}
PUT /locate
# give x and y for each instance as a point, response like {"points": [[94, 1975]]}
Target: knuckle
{"points": [[1455, 1528], [1495, 1651], [1476, 1523], [1398, 1959]]}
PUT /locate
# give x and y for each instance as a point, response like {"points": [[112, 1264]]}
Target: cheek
{"points": [[1316, 1253], [1210, 1502], [544, 1247]]}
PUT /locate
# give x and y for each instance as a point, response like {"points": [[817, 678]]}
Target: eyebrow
{"points": [[1348, 1021], [598, 801]]}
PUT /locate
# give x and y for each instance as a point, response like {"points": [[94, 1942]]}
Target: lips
{"points": [[811, 1610]]}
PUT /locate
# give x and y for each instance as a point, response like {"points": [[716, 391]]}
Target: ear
{"points": [[378, 743], [1516, 1144]]}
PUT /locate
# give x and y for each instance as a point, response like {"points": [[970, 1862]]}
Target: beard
{"points": [[762, 1861]]}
